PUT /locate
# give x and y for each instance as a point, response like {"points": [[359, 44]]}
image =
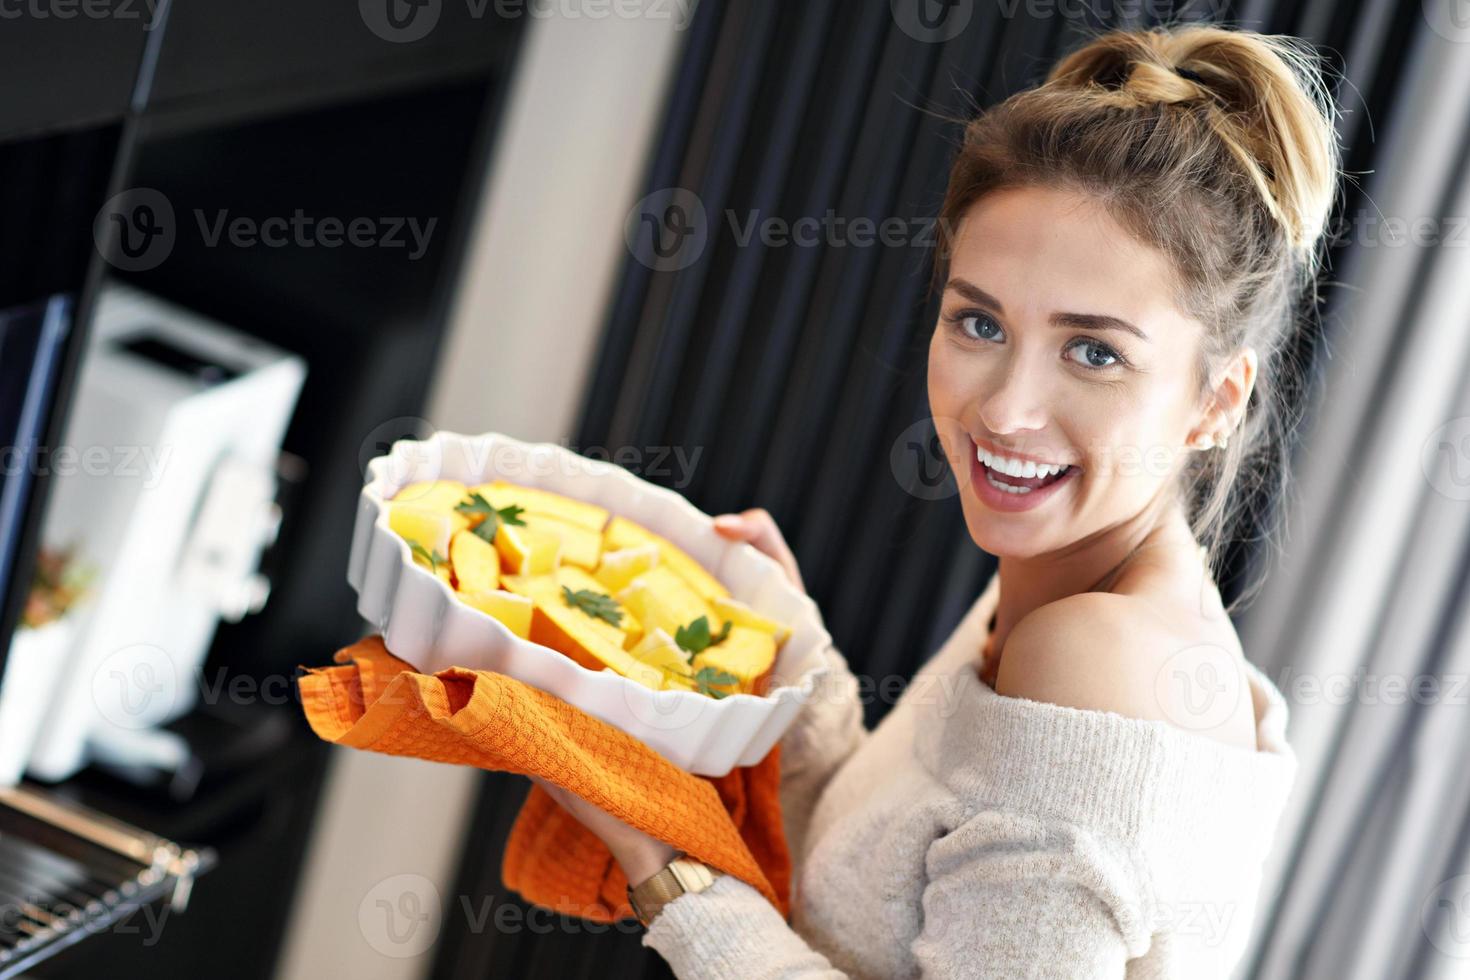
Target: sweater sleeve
{"points": [[827, 731], [1007, 896]]}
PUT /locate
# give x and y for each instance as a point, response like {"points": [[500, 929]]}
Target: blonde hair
{"points": [[1218, 147]]}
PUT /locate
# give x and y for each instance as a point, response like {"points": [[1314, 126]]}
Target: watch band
{"points": [[683, 874]]}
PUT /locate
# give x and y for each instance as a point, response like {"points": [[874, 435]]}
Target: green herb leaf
{"points": [[695, 637], [709, 676], [598, 604], [432, 557], [475, 504]]}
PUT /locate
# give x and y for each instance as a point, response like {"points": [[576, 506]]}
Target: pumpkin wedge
{"points": [[746, 653], [476, 562], [623, 533], [511, 609], [503, 493], [580, 545]]}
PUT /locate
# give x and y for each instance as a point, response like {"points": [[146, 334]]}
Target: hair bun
{"points": [[1263, 96]]}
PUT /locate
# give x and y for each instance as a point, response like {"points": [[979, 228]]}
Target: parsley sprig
{"points": [[432, 557], [696, 638], [707, 677], [598, 604], [475, 504]]}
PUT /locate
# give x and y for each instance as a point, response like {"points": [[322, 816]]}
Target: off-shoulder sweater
{"points": [[972, 834]]}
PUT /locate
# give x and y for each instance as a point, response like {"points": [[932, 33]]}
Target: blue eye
{"points": [[1098, 350], [974, 324]]}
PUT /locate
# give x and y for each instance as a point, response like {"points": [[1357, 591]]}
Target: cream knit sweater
{"points": [[976, 835]]}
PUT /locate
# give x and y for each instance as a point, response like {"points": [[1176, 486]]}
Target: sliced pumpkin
{"points": [[658, 649], [580, 545], [440, 495], [476, 562], [528, 550], [426, 527], [624, 533], [742, 614], [592, 642], [577, 580], [661, 598], [503, 493], [511, 609], [620, 567], [747, 653]]}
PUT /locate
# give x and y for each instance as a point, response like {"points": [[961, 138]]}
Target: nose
{"points": [[1015, 398]]}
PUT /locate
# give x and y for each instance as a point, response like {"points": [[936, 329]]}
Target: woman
{"points": [[1085, 780]]}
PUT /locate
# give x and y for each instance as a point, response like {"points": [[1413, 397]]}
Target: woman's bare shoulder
{"points": [[1137, 655]]}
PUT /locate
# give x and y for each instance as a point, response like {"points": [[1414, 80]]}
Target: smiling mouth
{"points": [[1010, 476]]}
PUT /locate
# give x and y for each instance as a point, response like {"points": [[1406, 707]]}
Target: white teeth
{"points": [[1006, 486], [1026, 469]]}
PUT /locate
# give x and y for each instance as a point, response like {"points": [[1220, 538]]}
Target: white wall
{"points": [[568, 166]]}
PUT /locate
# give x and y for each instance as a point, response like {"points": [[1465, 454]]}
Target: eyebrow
{"points": [[1082, 321]]}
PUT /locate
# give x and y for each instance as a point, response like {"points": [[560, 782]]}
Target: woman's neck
{"points": [[1093, 564]]}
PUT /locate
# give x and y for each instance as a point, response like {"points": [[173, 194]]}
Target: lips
{"points": [[1003, 492], [1030, 483]]}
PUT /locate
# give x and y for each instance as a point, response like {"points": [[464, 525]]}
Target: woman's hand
{"points": [[639, 855], [757, 527]]}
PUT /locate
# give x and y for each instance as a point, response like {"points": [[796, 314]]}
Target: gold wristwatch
{"points": [[683, 874]]}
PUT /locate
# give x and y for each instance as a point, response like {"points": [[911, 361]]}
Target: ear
{"points": [[1231, 389]]}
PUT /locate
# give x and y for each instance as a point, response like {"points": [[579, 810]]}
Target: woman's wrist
{"points": [[641, 862]]}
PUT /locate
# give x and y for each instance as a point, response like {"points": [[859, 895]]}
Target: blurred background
{"points": [[244, 247]]}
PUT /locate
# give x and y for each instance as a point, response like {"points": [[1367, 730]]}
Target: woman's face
{"points": [[1058, 341]]}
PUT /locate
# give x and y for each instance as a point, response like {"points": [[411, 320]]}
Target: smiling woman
{"points": [[1121, 254]]}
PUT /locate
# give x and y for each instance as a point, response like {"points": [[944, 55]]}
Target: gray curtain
{"points": [[1365, 623]]}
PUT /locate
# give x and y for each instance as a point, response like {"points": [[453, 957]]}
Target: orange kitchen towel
{"points": [[481, 718]]}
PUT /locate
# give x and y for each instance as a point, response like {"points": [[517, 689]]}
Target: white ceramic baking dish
{"points": [[423, 623]]}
